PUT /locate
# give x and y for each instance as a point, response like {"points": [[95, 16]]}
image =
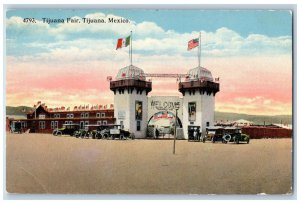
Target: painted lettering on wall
{"points": [[165, 105]]}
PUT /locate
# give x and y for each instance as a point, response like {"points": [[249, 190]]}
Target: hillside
{"points": [[257, 119], [19, 110]]}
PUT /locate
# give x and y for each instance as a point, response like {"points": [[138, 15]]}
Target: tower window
{"points": [[138, 125]]}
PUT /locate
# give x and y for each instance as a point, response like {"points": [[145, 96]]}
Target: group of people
{"points": [[195, 133]]}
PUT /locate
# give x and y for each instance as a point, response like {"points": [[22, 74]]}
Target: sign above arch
{"points": [[164, 103]]}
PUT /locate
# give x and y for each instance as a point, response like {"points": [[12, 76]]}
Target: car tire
{"points": [[226, 138], [105, 136], [58, 133], [248, 141]]}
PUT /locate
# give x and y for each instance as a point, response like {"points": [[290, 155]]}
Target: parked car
{"points": [[83, 133], [215, 134], [117, 132], [236, 135], [16, 127], [226, 134], [67, 129], [104, 132]]}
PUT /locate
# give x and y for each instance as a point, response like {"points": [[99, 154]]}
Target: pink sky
{"points": [[252, 85]]}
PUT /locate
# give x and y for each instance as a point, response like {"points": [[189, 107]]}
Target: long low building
{"points": [[44, 120]]}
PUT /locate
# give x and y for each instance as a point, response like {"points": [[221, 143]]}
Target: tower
{"points": [[130, 99], [198, 92]]}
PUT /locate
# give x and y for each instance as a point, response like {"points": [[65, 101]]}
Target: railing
{"points": [[130, 83], [199, 84]]}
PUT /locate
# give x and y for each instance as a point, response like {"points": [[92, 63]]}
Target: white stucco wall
{"points": [[205, 106], [208, 111], [126, 103], [204, 110]]}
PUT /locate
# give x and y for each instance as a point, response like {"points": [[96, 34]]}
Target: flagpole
{"points": [[131, 47], [199, 49]]}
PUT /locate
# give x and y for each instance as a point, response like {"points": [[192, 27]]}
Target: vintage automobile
{"points": [[83, 133], [215, 134], [226, 134], [67, 129], [117, 132], [95, 131], [16, 127], [104, 132], [235, 134]]}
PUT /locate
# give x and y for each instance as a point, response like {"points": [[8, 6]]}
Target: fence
{"points": [[267, 132]]}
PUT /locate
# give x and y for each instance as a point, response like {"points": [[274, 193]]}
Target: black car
{"points": [[16, 127], [226, 134], [67, 129], [116, 131], [234, 134]]}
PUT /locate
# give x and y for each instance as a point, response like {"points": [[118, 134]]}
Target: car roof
{"points": [[96, 125], [232, 128], [214, 127]]}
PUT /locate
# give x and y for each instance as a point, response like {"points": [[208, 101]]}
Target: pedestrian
{"points": [[195, 133], [198, 133], [156, 133]]}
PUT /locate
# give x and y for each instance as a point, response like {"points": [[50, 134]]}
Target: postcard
{"points": [[149, 101]]}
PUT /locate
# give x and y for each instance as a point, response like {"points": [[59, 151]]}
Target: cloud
{"points": [[70, 62], [17, 23], [258, 105], [149, 38]]}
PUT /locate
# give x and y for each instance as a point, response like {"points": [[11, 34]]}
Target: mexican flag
{"points": [[123, 42]]}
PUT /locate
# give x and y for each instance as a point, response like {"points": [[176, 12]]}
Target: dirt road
{"points": [[41, 163]]}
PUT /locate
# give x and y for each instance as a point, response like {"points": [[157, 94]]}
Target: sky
{"points": [[67, 64]]}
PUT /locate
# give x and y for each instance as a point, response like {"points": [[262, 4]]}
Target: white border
{"points": [[213, 4]]}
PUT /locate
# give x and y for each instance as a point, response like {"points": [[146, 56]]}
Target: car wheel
{"points": [[226, 138], [58, 133], [105, 136], [248, 141]]}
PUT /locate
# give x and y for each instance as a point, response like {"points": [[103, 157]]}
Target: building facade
{"points": [[195, 109], [133, 108], [45, 120]]}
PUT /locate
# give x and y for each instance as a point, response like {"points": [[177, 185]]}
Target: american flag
{"points": [[193, 43]]}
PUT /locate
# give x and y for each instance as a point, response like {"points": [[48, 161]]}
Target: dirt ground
{"points": [[42, 163]]}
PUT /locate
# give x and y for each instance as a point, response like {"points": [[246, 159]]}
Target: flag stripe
{"points": [[123, 42], [119, 43], [193, 43]]}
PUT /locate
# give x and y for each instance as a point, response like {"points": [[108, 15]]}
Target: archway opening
{"points": [[162, 125]]}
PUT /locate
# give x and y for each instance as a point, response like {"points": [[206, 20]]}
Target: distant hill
{"points": [[19, 110], [257, 119]]}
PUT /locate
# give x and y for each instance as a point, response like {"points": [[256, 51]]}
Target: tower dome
{"points": [[130, 72], [199, 73]]}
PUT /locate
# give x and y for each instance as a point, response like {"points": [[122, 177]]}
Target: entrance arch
{"points": [[164, 123]]}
